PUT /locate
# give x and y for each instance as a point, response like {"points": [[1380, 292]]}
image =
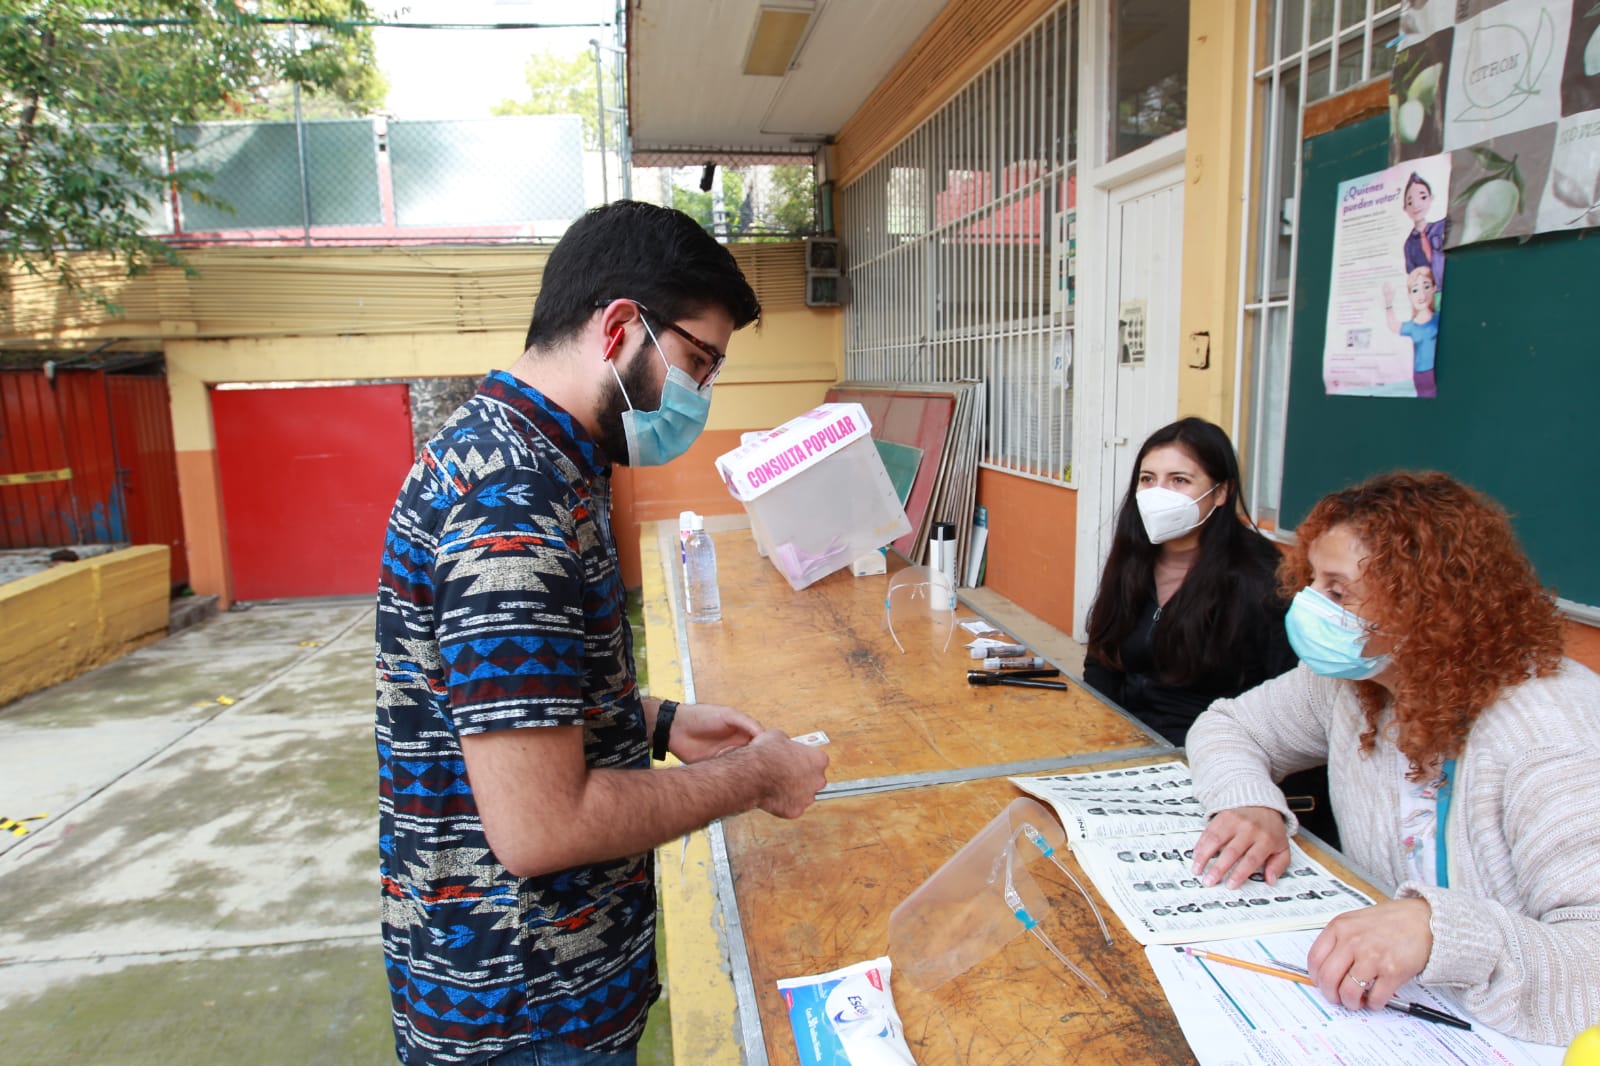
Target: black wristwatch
{"points": [[663, 733]]}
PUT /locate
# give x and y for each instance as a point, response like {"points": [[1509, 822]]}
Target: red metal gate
{"points": [[141, 419], [309, 476], [86, 457], [38, 506]]}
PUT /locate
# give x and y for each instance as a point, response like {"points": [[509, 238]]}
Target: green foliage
{"points": [[560, 85], [788, 209], [87, 152], [700, 206], [794, 199], [694, 203], [349, 82]]}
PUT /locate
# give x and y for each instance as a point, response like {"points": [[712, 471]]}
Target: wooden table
{"points": [[824, 658], [918, 761]]}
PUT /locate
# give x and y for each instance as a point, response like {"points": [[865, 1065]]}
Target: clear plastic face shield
{"points": [[920, 609], [978, 901]]}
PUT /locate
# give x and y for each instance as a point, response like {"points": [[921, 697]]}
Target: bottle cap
{"points": [[696, 522]]}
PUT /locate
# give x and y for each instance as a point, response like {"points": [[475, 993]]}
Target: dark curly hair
{"points": [[1446, 576]]}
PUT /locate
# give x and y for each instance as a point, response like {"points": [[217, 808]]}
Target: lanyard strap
{"points": [[1441, 868]]}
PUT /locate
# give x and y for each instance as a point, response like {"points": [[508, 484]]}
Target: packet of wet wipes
{"points": [[846, 1017]]}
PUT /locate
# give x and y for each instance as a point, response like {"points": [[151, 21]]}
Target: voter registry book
{"points": [[1134, 831]]}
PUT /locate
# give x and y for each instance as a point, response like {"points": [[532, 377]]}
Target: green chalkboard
{"points": [[1518, 411]]}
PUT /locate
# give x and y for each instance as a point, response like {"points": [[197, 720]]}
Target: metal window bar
{"points": [[968, 292], [1266, 317]]}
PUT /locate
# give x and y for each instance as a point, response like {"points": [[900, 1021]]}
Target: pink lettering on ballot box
{"points": [[816, 492]]}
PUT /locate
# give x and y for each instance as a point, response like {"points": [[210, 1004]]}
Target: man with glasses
{"points": [[518, 808]]}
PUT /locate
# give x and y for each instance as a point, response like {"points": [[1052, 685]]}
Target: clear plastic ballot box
{"points": [[816, 492]]}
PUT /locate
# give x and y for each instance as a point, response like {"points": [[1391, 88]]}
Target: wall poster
{"points": [[1511, 89], [1387, 282]]}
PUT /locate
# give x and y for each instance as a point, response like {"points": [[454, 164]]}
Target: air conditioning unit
{"points": [[826, 285]]}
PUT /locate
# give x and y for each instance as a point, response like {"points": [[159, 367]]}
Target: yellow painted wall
{"points": [[772, 372], [60, 622], [777, 368], [194, 365], [1214, 172]]}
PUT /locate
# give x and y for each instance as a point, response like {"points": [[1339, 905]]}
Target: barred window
{"points": [[961, 250], [1305, 51]]}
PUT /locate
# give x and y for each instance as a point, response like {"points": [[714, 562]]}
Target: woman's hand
{"points": [[1241, 841], [1363, 956], [702, 730]]}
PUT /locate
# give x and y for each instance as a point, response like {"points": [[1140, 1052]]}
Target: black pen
{"points": [[976, 677], [1048, 671], [1416, 1010]]}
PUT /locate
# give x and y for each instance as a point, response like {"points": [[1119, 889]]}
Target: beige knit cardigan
{"points": [[1516, 936]]}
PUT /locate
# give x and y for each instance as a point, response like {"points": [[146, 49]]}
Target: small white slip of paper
{"points": [[813, 739], [985, 643], [977, 626]]}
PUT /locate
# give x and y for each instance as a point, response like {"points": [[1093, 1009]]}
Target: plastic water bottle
{"points": [[700, 575]]}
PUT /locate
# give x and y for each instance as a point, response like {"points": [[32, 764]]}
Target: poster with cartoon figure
{"points": [[1511, 88], [1388, 282]]}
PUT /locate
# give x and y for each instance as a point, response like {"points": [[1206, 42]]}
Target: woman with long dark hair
{"points": [[1188, 609]]}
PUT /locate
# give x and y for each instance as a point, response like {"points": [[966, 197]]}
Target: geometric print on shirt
{"points": [[500, 606]]}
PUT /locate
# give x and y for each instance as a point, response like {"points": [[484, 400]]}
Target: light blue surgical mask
{"points": [[657, 437], [1330, 639]]}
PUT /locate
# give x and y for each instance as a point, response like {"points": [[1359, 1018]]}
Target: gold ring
{"points": [[1359, 981]]}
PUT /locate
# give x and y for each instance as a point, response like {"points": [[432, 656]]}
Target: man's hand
{"points": [[702, 730], [1240, 841], [795, 773], [1363, 956]]}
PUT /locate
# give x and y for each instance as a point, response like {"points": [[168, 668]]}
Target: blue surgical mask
{"points": [[1330, 639], [660, 436]]}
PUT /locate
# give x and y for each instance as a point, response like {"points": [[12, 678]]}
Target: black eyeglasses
{"points": [[709, 376]]}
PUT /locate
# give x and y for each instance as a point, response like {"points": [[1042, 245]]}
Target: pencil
{"points": [[1416, 1010], [1244, 964]]}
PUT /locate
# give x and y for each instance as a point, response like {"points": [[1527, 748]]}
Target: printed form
{"points": [[1236, 1017], [1134, 830]]}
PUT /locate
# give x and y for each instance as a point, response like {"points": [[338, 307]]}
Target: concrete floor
{"points": [[204, 888]]}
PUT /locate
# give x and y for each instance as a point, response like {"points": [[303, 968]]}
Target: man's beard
{"points": [[613, 439]]}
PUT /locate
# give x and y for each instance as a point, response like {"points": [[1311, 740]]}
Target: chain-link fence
{"points": [[506, 178], [375, 180], [465, 155]]}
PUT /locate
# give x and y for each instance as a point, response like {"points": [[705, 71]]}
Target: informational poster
{"points": [[1511, 89], [1387, 286]]}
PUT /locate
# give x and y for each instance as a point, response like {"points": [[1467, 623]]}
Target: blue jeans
{"points": [[555, 1053]]}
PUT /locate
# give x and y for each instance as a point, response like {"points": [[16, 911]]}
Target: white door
{"points": [[1138, 381]]}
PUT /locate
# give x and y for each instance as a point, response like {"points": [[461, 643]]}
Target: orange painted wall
{"points": [[200, 491], [688, 483], [1032, 538]]}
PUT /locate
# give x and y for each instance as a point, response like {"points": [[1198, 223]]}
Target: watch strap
{"points": [[663, 733]]}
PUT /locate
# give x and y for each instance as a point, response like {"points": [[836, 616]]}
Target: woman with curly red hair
{"points": [[1461, 758]]}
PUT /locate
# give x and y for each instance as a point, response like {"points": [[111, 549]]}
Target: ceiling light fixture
{"points": [[779, 30]]}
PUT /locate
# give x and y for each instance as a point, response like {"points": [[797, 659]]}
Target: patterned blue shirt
{"points": [[501, 607]]}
